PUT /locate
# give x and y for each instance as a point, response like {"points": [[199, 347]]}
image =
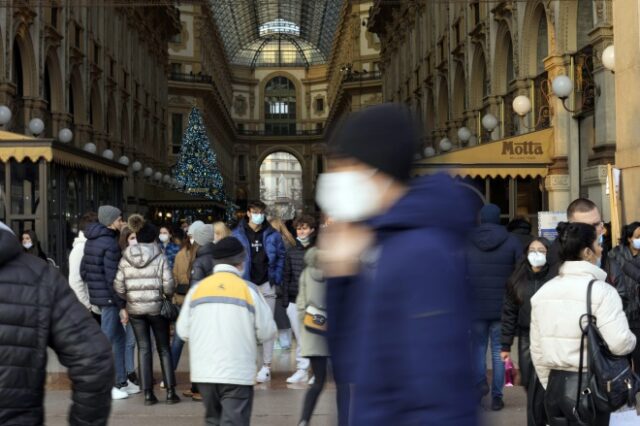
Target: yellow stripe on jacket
{"points": [[223, 287]]}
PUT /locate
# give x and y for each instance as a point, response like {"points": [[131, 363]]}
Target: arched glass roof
{"points": [[277, 32]]}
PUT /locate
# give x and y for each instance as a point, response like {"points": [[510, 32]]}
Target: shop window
{"points": [[176, 133], [320, 104], [25, 189]]}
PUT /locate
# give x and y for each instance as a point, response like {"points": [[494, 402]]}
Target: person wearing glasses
{"points": [[529, 276], [581, 210]]}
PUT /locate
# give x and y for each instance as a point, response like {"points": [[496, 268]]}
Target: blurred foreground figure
{"points": [[39, 309], [397, 310]]}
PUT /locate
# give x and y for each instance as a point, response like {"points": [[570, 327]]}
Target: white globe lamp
{"points": [[36, 126], [429, 151], [158, 176], [445, 144], [609, 58], [136, 166], [5, 115], [124, 160], [464, 134], [65, 135], [489, 122], [522, 105], [562, 86], [148, 171], [90, 147], [166, 179], [108, 154]]}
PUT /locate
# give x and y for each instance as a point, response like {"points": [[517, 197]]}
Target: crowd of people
{"points": [[402, 285]]}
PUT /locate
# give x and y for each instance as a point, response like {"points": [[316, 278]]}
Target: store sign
{"points": [[525, 150], [548, 222]]}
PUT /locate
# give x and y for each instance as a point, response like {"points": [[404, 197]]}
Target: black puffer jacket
{"points": [[624, 273], [39, 309], [516, 312], [293, 267], [202, 265], [100, 264]]}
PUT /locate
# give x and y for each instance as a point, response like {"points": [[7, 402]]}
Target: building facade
{"points": [[454, 63]]}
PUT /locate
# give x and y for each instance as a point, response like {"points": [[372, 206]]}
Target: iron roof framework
{"points": [[248, 27]]}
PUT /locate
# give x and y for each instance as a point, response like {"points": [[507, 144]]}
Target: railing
{"points": [[362, 76], [313, 132], [191, 78]]}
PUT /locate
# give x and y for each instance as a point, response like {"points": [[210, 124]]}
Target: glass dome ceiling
{"points": [[261, 33]]}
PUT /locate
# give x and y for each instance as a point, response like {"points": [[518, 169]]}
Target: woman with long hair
{"points": [[31, 244], [280, 314], [220, 231], [624, 274], [529, 276], [287, 238], [143, 280], [127, 239], [556, 313], [167, 245]]}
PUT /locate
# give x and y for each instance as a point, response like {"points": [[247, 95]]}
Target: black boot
{"points": [[172, 398], [149, 398]]}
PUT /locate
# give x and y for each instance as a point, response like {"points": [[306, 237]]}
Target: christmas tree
{"points": [[197, 168]]}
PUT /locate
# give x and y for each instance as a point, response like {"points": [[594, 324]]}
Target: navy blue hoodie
{"points": [[403, 323], [492, 254]]}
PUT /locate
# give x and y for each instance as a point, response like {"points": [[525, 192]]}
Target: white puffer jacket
{"points": [[555, 315], [143, 273]]}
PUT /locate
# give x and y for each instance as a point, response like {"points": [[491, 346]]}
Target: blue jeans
{"points": [[130, 350], [480, 333], [112, 328], [176, 350]]}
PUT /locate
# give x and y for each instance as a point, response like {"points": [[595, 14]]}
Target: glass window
{"points": [[176, 133], [25, 191]]}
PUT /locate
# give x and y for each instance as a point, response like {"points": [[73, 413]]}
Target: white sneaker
{"points": [[264, 375], [299, 376], [118, 394], [130, 389], [312, 380]]}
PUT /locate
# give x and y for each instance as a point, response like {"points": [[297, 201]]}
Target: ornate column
{"points": [[626, 27]]}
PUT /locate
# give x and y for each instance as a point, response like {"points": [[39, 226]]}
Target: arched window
{"points": [[280, 107]]}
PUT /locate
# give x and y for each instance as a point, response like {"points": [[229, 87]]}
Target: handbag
{"points": [[315, 320], [611, 382], [168, 309]]}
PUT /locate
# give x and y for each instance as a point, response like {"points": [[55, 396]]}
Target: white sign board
{"points": [[616, 178], [548, 222]]}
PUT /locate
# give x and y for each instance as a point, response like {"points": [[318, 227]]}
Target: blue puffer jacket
{"points": [[402, 325], [273, 245], [492, 254], [100, 264]]}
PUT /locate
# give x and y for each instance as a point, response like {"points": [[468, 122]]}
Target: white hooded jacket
{"points": [[224, 318], [76, 282], [555, 319]]}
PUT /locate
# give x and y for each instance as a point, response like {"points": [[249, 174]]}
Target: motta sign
{"points": [[527, 149]]}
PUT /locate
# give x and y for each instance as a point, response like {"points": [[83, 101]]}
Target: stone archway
{"points": [[281, 184]]}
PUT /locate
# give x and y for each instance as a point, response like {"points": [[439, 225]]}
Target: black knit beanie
{"points": [[383, 136], [227, 247]]}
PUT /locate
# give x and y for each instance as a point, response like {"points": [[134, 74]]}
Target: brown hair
{"points": [[305, 219], [580, 205], [123, 241], [279, 226]]}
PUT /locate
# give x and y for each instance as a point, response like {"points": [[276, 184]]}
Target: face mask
{"points": [[27, 245], [163, 238], [257, 218], [191, 240], [349, 196], [636, 243], [537, 259], [599, 262], [601, 239], [304, 240], [132, 242]]}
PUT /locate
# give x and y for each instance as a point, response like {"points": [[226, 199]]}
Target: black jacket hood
{"points": [[489, 236], [9, 246]]}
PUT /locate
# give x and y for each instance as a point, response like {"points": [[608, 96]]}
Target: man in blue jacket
{"points": [[397, 312], [264, 266], [98, 269], [492, 253]]}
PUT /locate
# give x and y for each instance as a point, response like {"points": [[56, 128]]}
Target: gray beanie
{"points": [[203, 234], [108, 214], [193, 227]]}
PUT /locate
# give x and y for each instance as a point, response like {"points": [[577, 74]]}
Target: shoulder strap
{"points": [[590, 320]]}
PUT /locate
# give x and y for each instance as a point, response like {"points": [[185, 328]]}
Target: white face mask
{"points": [[27, 245], [257, 218], [636, 243], [191, 240], [163, 238], [348, 196], [132, 242], [536, 259]]}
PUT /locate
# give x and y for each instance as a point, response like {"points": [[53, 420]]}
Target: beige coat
{"points": [[312, 291], [143, 273], [555, 316]]}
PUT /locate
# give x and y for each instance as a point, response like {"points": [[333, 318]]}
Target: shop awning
{"points": [[527, 155], [21, 147]]}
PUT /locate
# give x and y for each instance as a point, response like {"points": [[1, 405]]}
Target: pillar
{"points": [[626, 31]]}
